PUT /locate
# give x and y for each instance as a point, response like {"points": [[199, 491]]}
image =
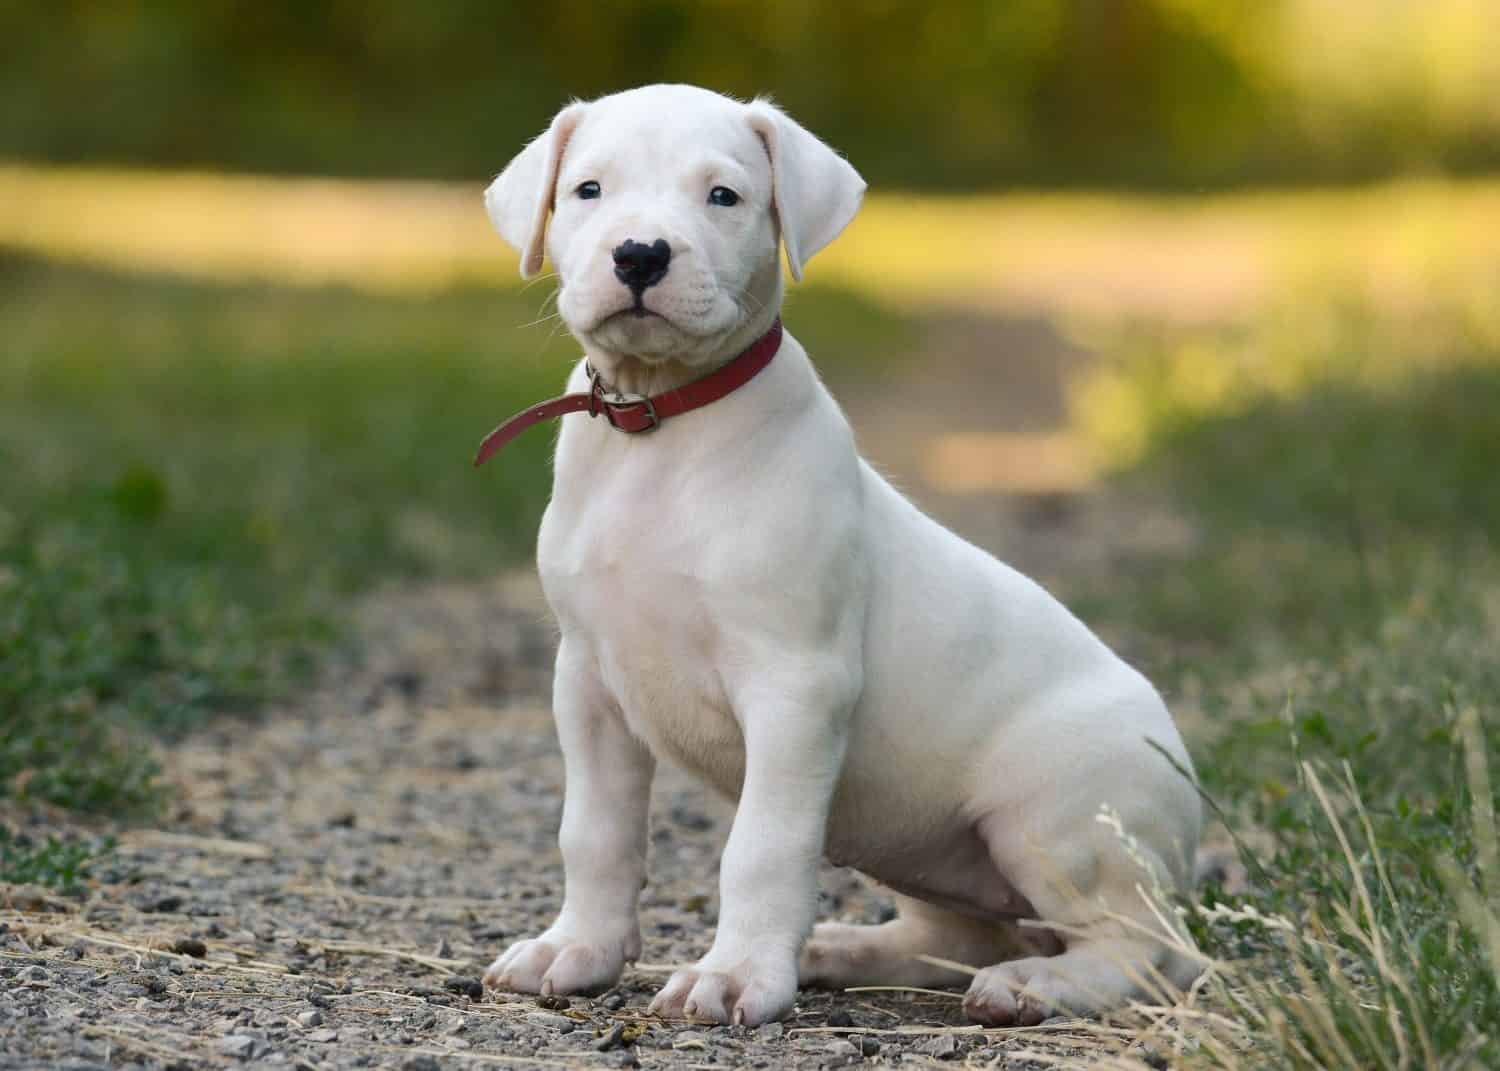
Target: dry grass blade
{"points": [[95, 938], [158, 838], [356, 948], [946, 964], [500, 1059], [169, 1054], [1389, 978], [334, 893], [1486, 842], [903, 989], [1108, 1061]]}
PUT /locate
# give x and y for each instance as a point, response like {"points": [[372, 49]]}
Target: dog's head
{"points": [[665, 206]]}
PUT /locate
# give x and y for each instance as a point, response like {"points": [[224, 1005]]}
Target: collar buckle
{"points": [[612, 403]]}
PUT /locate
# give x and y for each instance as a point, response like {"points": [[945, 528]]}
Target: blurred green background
{"points": [[941, 95], [1189, 307]]}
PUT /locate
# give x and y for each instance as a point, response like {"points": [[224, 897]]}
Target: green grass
{"points": [[198, 478], [1334, 637], [63, 864]]}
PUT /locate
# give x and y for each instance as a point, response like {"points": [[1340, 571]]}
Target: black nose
{"points": [[639, 265]]}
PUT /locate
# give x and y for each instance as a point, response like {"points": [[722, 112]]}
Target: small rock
{"points": [[611, 1038], [488, 933], [311, 1018], [840, 1018], [190, 946], [26, 898], [691, 1039], [842, 1047], [552, 1003], [165, 904], [155, 985], [771, 1032], [942, 1047], [554, 1022], [406, 681], [1154, 1059], [868, 1046], [469, 987], [239, 1046], [343, 820], [614, 1001], [35, 973], [421, 1063], [322, 1037], [624, 1058]]}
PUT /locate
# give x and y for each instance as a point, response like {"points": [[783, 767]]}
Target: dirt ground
{"points": [[336, 875]]}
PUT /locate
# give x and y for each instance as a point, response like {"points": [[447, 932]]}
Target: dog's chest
{"points": [[622, 585]]}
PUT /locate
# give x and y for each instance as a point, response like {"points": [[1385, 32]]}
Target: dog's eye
{"points": [[587, 191], [723, 196]]}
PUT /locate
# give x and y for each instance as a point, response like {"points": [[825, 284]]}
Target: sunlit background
{"points": [[254, 317], [1190, 308]]}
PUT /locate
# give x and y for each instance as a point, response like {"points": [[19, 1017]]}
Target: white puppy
{"points": [[740, 593]]}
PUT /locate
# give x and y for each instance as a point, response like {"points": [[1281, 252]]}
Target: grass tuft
{"points": [[62, 864]]}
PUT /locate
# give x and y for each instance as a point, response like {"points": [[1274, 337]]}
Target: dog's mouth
{"points": [[639, 311]]}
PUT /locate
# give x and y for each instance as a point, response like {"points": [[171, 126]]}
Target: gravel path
{"points": [[336, 877]]}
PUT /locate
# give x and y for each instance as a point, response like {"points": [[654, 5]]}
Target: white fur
{"points": [[739, 593]]}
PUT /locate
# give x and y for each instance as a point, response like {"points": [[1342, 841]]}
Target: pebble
{"points": [[840, 1018], [689, 1039], [614, 1002], [190, 946], [841, 1047], [868, 1046], [421, 1063], [311, 1018], [469, 987], [239, 1046], [771, 1032], [611, 1039], [322, 1037], [942, 1046], [547, 1019], [552, 1003]]}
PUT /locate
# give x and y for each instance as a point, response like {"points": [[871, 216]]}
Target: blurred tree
{"points": [[970, 93]]}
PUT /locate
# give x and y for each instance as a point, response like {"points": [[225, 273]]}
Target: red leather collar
{"points": [[633, 413]]}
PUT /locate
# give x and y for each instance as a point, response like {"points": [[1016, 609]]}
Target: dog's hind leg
{"points": [[840, 955], [1115, 947]]}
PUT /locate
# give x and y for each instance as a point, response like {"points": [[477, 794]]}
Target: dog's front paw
{"points": [[558, 963], [747, 993]]}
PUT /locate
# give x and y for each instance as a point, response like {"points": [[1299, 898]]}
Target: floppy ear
{"points": [[520, 199], [815, 190]]}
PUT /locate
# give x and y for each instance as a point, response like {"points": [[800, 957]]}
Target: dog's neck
{"points": [[629, 374]]}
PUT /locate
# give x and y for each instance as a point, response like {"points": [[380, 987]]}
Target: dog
{"points": [[738, 592]]}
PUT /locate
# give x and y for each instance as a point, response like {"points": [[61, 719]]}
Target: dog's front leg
{"points": [[603, 841], [794, 749]]}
